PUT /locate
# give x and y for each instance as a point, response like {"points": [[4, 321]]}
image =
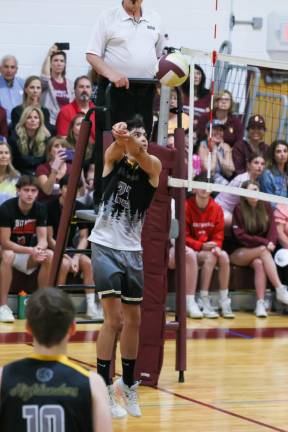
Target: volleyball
{"points": [[173, 69]]}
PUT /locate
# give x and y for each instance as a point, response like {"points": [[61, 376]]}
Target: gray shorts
{"points": [[118, 273]]}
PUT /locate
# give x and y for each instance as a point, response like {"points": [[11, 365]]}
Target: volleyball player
{"points": [[130, 178], [46, 391]]}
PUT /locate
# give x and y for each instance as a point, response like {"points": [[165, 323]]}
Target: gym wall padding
{"points": [[155, 242]]}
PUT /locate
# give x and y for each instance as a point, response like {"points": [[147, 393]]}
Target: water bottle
{"points": [[22, 301]]}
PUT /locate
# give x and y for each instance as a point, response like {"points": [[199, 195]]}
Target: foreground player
{"points": [[46, 391], [130, 178]]}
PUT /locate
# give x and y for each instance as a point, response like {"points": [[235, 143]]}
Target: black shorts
{"points": [[118, 273]]}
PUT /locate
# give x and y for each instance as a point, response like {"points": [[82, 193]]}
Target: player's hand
{"points": [[120, 129], [119, 80]]}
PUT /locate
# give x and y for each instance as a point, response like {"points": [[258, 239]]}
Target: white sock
{"points": [[90, 298], [203, 293], [280, 288], [223, 295], [190, 298]]}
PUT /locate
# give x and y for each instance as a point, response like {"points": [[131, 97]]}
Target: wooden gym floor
{"points": [[236, 378]]}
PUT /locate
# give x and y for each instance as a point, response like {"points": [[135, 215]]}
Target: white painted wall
{"points": [[253, 43], [29, 27]]}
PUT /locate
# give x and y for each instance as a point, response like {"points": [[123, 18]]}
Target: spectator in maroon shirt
{"points": [[81, 104], [254, 143], [202, 96], [51, 172], [3, 123], [223, 111], [57, 89], [255, 233]]}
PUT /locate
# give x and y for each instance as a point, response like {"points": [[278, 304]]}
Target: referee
{"points": [[126, 42]]}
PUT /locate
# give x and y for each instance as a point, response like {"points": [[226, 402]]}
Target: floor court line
{"points": [[204, 404], [215, 408]]}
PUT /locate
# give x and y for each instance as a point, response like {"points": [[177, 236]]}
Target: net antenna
{"points": [[249, 81]]}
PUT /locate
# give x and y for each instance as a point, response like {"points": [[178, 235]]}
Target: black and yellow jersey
{"points": [[45, 394]]}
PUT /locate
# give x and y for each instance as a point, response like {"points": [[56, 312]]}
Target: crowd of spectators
{"points": [[40, 120]]}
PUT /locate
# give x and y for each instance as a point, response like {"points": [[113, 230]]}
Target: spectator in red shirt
{"points": [[81, 104], [3, 123], [204, 235], [254, 230]]}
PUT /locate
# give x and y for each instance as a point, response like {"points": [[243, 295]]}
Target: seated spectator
{"points": [[281, 219], [31, 97], [8, 175], [51, 172], [11, 86], [173, 118], [73, 135], [222, 167], [23, 239], [81, 104], [275, 176], [254, 230], [202, 96], [228, 201], [204, 236], [252, 144], [73, 262], [57, 89], [3, 123], [223, 111], [28, 142]]}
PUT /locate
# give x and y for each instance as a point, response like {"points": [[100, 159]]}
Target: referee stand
{"points": [[155, 241]]}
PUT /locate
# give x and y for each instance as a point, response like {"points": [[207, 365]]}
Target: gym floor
{"points": [[236, 378]]}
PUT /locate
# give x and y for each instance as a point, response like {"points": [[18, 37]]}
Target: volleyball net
{"points": [[258, 87]]}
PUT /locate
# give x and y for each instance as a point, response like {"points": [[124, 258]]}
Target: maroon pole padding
{"points": [[155, 242], [180, 269], [68, 208]]}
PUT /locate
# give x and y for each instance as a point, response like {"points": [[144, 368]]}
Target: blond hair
{"points": [[38, 141]]}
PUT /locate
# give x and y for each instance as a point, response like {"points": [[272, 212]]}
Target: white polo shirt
{"points": [[126, 46]]}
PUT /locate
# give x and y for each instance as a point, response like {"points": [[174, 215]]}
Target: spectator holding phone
{"points": [[72, 138], [57, 89], [51, 172]]}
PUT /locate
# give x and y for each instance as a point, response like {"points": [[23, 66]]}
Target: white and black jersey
{"points": [[127, 194]]}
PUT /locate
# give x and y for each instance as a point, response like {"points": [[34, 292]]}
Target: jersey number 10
{"points": [[47, 418]]}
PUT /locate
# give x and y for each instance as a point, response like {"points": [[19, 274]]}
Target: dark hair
{"points": [[79, 79], [135, 122], [255, 219], [50, 313], [65, 179], [270, 158], [202, 177], [27, 180], [255, 155], [63, 54], [201, 89]]}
